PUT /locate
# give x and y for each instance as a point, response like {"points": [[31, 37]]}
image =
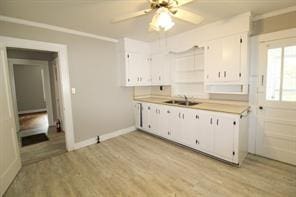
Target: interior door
{"points": [[10, 162], [276, 110]]}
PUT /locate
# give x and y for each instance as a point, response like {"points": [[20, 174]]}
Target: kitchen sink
{"points": [[189, 103]]}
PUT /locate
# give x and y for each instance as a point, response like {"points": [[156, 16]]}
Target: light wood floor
{"points": [[54, 146], [138, 164]]}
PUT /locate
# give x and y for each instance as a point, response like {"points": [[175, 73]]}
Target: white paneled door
{"points": [[276, 112], [10, 162]]}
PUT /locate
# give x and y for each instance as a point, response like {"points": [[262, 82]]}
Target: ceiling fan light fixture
{"points": [[162, 20]]}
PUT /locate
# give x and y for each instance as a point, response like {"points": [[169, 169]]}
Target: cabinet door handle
{"points": [[197, 116], [219, 74], [179, 115], [211, 121], [224, 73], [183, 116], [196, 142], [217, 121], [168, 111], [262, 80]]}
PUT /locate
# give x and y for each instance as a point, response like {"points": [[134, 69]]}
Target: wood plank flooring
{"points": [[56, 145], [138, 164]]}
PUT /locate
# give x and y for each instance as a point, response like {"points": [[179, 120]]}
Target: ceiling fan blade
{"points": [[188, 16], [183, 2], [131, 15]]}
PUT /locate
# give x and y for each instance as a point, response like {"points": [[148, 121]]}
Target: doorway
{"points": [[35, 93], [276, 94], [9, 147]]}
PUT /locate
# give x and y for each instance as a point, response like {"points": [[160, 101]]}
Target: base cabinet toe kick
{"points": [[222, 135]]}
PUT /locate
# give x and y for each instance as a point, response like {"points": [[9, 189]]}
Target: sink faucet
{"points": [[186, 100]]}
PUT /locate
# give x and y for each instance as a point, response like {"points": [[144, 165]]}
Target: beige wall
{"points": [[275, 23], [100, 105], [29, 87]]}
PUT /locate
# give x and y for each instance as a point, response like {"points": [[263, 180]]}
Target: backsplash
{"points": [[166, 91]]}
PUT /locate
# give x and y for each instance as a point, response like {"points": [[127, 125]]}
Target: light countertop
{"points": [[226, 107]]}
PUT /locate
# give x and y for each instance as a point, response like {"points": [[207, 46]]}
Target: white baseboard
{"points": [[32, 111], [104, 137]]}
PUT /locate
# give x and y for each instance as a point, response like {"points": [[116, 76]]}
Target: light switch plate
{"points": [[73, 90]]}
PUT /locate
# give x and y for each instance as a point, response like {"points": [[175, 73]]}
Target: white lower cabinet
{"points": [[219, 134]]}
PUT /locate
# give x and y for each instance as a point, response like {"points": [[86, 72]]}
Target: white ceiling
{"points": [[94, 16]]}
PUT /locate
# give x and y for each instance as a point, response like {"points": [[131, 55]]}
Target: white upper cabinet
{"points": [[213, 61], [134, 61], [141, 68], [230, 70], [226, 65], [160, 69]]}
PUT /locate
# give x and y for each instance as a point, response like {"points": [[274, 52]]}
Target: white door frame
{"points": [[65, 80], [46, 85]]}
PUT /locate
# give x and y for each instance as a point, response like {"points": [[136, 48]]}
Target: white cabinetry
{"points": [[226, 65], [160, 69], [134, 61], [219, 134]]}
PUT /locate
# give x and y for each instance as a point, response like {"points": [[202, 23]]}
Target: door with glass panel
{"points": [[276, 115]]}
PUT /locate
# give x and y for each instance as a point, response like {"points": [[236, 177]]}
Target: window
{"points": [[281, 74]]}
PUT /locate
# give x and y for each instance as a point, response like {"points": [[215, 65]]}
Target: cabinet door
{"points": [[132, 69], [177, 125], [231, 54], [213, 57], [189, 127], [169, 128], [224, 136], [205, 131], [157, 62], [166, 74], [146, 116], [144, 71], [163, 121], [154, 119]]}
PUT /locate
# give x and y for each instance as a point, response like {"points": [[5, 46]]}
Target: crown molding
{"points": [[54, 28], [275, 13]]}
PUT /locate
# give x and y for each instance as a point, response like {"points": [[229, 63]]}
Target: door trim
{"points": [[65, 80]]}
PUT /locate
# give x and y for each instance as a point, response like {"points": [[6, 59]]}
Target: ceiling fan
{"points": [[164, 11]]}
